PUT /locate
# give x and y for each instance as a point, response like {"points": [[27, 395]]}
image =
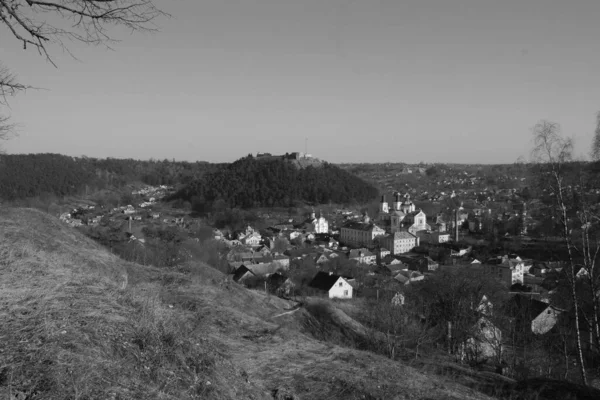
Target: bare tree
{"points": [[8, 87], [41, 24], [553, 151]]}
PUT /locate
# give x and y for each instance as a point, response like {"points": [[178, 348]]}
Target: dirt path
{"points": [[296, 308]]}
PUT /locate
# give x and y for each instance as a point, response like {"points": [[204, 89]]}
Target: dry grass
{"points": [[72, 328], [79, 323]]}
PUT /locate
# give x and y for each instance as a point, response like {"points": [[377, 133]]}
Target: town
{"points": [[299, 200], [371, 252]]}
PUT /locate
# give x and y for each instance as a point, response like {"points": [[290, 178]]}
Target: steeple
{"points": [[397, 201], [383, 207]]}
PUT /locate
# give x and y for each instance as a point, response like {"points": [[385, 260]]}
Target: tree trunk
{"points": [[573, 280]]}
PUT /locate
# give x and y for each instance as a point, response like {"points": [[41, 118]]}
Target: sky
{"points": [[460, 81]]}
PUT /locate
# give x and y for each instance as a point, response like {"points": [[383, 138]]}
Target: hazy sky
{"points": [[364, 80]]}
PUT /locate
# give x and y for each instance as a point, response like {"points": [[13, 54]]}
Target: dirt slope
{"points": [[79, 323]]}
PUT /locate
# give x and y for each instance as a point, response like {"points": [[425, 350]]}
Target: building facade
{"points": [[360, 234], [399, 242]]}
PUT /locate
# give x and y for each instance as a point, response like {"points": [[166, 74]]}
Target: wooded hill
{"points": [[250, 182], [31, 175]]}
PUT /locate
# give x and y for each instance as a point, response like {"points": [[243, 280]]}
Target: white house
{"points": [[251, 240], [336, 286], [545, 320]]}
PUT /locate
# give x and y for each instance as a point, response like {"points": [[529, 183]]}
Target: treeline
{"points": [[249, 183], [30, 175], [23, 176]]}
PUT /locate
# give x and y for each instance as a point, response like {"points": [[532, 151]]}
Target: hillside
{"points": [[30, 175], [80, 323], [251, 182]]}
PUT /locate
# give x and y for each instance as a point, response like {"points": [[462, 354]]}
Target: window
{"points": [[345, 293], [340, 285]]}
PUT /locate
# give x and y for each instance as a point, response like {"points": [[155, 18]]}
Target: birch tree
{"points": [[553, 152], [595, 153]]}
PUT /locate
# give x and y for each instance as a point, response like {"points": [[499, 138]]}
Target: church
{"points": [[314, 224], [403, 215]]}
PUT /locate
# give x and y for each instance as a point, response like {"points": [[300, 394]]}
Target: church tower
{"points": [[408, 206], [397, 201], [383, 206]]}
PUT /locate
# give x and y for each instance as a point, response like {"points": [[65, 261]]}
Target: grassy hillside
{"points": [[79, 323]]}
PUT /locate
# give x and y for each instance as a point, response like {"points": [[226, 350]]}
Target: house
{"points": [[399, 242], [326, 241], [431, 264], [459, 250], [263, 269], [360, 234], [234, 265], [263, 251], [406, 277], [391, 269], [253, 239], [485, 341], [389, 260], [545, 320], [362, 256], [439, 223], [279, 285], [382, 253], [531, 314], [297, 254], [282, 261], [242, 274], [414, 262], [293, 234], [321, 259], [335, 285], [509, 270], [433, 237]]}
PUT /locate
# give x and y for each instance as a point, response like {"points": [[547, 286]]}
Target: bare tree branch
{"points": [[38, 24]]}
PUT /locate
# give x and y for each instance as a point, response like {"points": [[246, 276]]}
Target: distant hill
{"points": [[274, 181], [30, 175]]}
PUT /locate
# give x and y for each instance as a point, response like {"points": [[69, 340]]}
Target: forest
{"points": [[30, 175], [250, 182]]}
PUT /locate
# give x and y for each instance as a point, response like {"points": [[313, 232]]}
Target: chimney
{"points": [[456, 227]]}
